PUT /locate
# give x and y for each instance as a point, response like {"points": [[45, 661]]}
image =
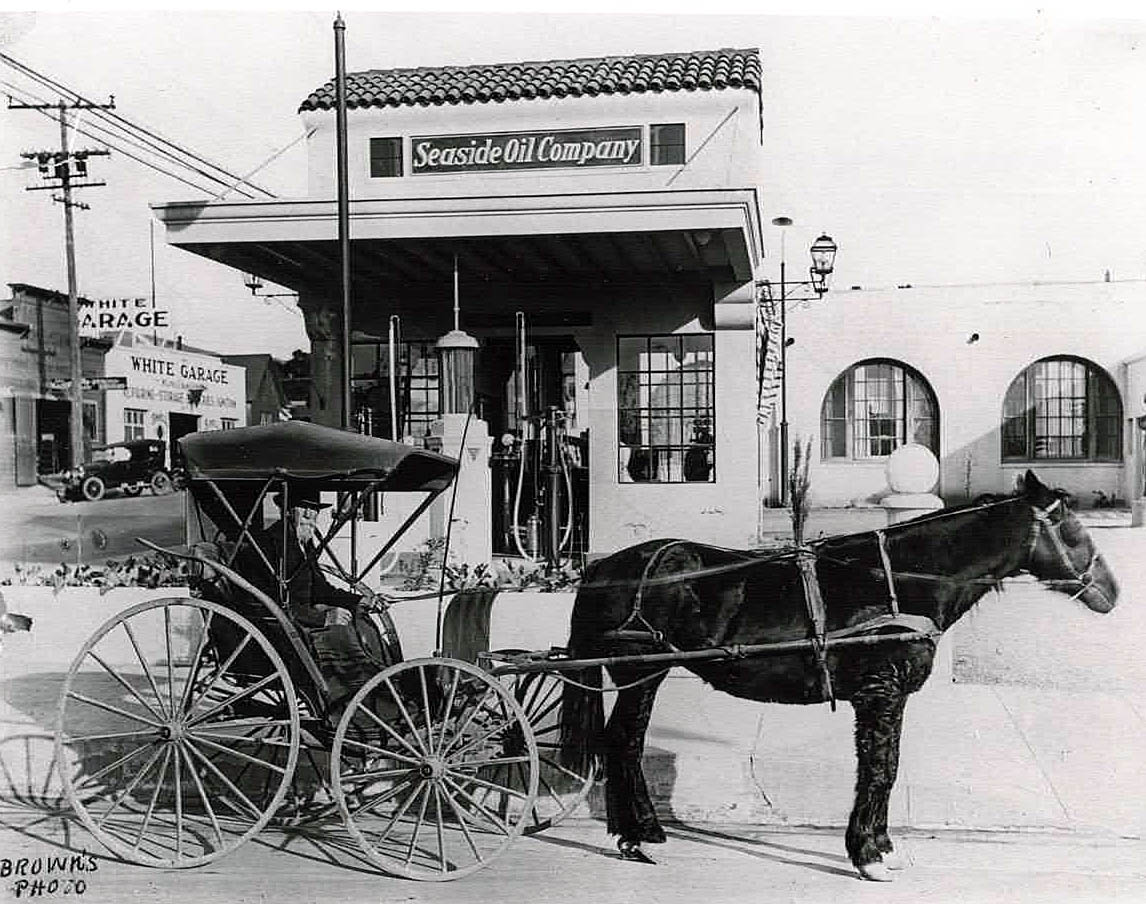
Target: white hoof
{"points": [[876, 872], [895, 860]]}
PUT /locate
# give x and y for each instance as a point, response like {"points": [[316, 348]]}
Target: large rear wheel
{"points": [[178, 732], [561, 787], [418, 765]]}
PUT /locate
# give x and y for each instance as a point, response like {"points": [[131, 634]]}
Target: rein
{"points": [[1085, 578]]}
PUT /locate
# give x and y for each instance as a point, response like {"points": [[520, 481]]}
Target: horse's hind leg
{"points": [[630, 811], [879, 720]]}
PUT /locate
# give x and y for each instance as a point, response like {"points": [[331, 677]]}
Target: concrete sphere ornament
{"points": [[912, 469]]}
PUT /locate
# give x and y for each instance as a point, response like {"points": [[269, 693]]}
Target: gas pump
{"points": [[539, 501]]}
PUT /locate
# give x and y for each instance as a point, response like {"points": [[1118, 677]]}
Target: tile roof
{"points": [[702, 70]]}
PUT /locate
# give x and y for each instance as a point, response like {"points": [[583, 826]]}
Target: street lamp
{"points": [[823, 252]]}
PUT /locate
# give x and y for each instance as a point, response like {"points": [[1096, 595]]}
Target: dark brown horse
{"points": [[690, 597]]}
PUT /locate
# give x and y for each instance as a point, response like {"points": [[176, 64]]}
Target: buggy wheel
{"points": [[561, 788], [93, 488], [416, 769], [161, 483], [178, 732]]}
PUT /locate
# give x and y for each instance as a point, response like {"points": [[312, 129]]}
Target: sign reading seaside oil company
{"points": [[526, 150]]}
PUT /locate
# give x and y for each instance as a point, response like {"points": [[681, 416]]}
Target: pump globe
{"points": [[912, 469]]}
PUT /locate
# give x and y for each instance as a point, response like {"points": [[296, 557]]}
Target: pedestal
{"points": [[1138, 512], [471, 540], [905, 506]]}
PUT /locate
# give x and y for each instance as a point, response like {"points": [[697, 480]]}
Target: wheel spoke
{"points": [[418, 825], [497, 823], [548, 788], [242, 723], [219, 673], [381, 751], [125, 685], [178, 803], [464, 826], [130, 786], [401, 811], [446, 710], [96, 776], [99, 704], [196, 661], [484, 736], [154, 797], [565, 769], [382, 798], [241, 739], [494, 761], [226, 781], [483, 783], [405, 714], [373, 774], [549, 689], [390, 731], [146, 668], [460, 733], [539, 716], [170, 662], [441, 830], [115, 735], [230, 701], [206, 803], [253, 761]]}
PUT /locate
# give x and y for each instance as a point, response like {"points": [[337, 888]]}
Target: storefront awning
{"points": [[702, 234]]}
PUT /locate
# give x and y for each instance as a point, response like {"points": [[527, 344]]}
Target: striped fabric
{"points": [[767, 353]]}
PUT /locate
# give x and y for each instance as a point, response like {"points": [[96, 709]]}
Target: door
{"points": [[25, 441], [179, 426]]}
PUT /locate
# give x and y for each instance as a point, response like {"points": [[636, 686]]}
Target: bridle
{"points": [[1084, 579]]}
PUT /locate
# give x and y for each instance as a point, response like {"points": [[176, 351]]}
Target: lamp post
{"points": [[823, 253]]}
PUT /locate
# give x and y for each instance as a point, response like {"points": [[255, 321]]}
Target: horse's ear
{"points": [[1029, 485]]}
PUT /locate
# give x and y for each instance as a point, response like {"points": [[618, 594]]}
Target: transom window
{"points": [[874, 408], [1062, 408], [666, 414], [385, 157], [418, 403], [666, 144], [133, 424]]}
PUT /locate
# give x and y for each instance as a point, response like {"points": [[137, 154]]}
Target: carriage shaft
{"points": [[733, 651]]}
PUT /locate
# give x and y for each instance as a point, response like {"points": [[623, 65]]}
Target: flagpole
{"points": [[343, 207]]}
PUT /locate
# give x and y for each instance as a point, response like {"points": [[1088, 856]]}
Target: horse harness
{"points": [[1053, 529]]}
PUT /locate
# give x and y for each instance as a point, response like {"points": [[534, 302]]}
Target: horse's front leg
{"points": [[879, 721]]}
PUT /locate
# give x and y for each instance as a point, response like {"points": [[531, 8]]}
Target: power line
{"points": [[109, 139], [112, 144], [65, 90]]}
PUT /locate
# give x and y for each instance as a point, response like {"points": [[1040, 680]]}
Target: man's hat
{"points": [[298, 500]]}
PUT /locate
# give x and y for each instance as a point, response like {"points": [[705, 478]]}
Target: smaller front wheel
{"points": [[160, 483], [93, 488], [418, 769]]}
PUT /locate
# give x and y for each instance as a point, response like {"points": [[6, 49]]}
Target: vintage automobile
{"points": [[128, 466]]}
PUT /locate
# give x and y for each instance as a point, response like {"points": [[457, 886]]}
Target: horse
{"points": [[676, 595]]}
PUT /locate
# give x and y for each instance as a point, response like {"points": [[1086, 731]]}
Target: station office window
{"points": [[132, 423], [873, 408], [666, 144], [1062, 408], [418, 402], [666, 413], [385, 157]]}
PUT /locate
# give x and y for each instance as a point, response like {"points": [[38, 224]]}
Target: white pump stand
{"points": [[471, 540], [912, 472]]}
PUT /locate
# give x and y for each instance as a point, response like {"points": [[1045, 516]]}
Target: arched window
{"points": [[1062, 408], [876, 406]]}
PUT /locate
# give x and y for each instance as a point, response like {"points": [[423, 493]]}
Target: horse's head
{"points": [[1062, 554]]}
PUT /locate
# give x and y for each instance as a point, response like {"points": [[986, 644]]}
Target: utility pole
{"points": [[67, 162]]}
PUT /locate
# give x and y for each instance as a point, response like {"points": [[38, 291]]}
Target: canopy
{"points": [[297, 450]]}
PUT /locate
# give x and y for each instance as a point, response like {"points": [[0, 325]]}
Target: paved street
{"points": [[38, 528]]}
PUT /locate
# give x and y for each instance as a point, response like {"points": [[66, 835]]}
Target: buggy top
{"points": [[230, 472]]}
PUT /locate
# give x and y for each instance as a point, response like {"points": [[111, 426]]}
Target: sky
{"points": [[979, 144]]}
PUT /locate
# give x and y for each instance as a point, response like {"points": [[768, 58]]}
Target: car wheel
{"points": [[93, 488], [132, 489], [160, 483]]}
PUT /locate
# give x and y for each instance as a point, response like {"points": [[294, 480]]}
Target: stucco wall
{"points": [[731, 155], [929, 329]]}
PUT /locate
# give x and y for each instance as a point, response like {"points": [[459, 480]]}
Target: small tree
{"points": [[798, 484]]}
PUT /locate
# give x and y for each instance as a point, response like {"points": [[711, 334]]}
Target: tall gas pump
{"points": [[538, 500]]}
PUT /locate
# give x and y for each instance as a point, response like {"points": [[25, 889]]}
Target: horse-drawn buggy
{"points": [[278, 692]]}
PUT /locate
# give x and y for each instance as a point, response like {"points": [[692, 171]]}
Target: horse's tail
{"points": [[582, 718]]}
